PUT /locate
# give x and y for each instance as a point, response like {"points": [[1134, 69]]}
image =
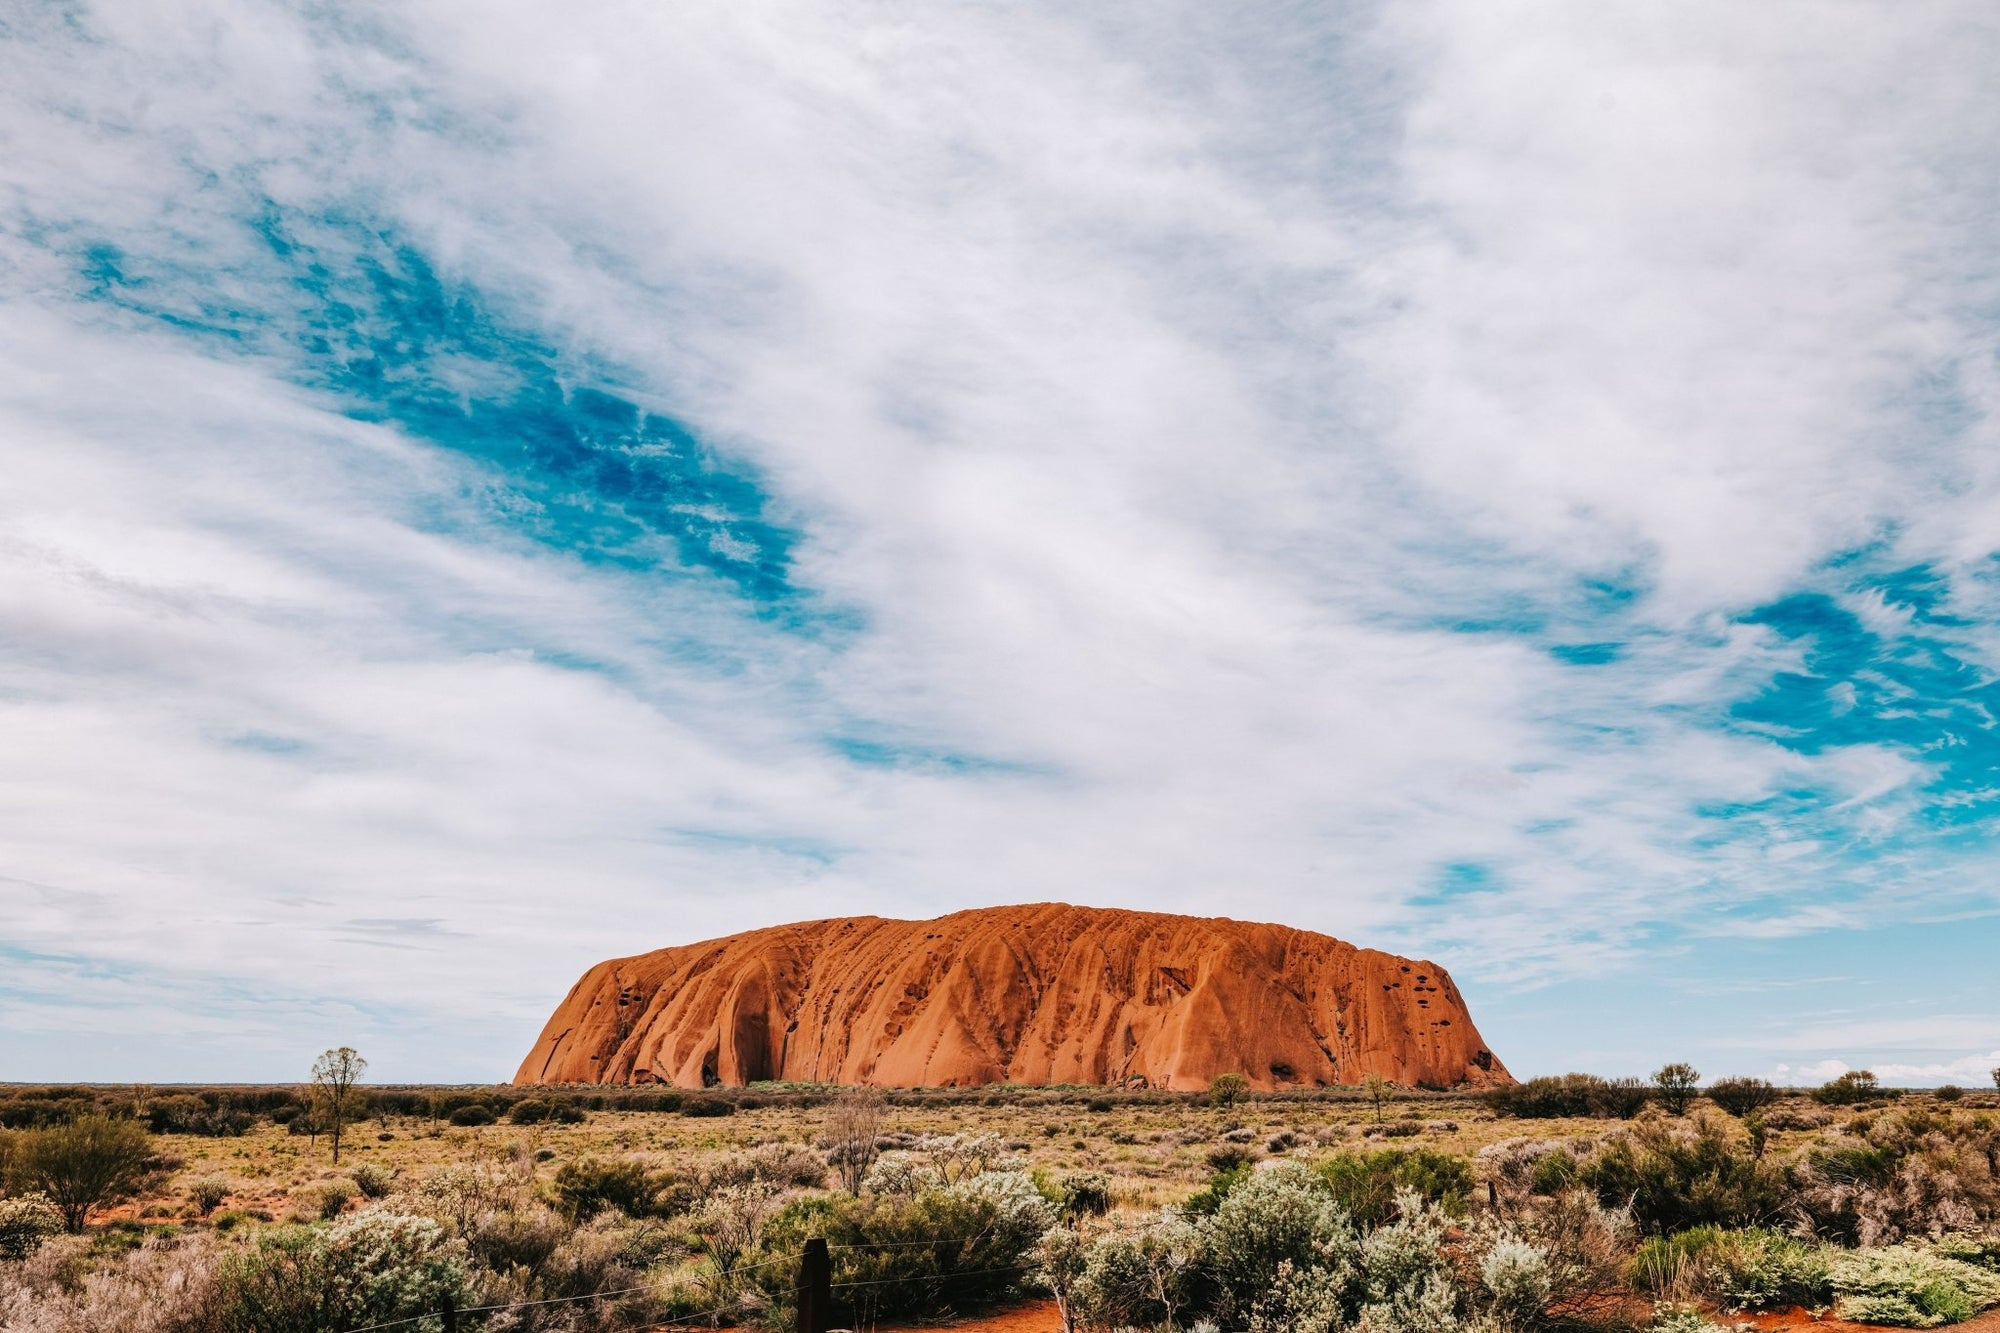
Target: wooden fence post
{"points": [[815, 1287], [450, 1313]]}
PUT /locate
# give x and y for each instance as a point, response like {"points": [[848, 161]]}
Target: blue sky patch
{"points": [[587, 465]]}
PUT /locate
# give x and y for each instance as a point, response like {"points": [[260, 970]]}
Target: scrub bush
{"points": [[372, 1268], [1674, 1176], [1366, 1185], [207, 1193], [373, 1179], [588, 1186], [25, 1223], [82, 1165], [1911, 1286], [1856, 1085], [1553, 1096], [1742, 1096], [969, 1242], [1755, 1269], [1518, 1281]]}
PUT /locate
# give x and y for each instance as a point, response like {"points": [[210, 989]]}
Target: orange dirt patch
{"points": [[1039, 1317]]}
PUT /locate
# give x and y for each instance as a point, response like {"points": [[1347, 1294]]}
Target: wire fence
{"points": [[571, 1300], [451, 1313]]}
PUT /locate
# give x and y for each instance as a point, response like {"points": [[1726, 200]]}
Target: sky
{"points": [[490, 486]]}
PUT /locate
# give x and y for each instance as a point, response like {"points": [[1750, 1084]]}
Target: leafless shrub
{"points": [[851, 1134]]}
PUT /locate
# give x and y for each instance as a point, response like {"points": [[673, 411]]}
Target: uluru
{"points": [[1044, 993]]}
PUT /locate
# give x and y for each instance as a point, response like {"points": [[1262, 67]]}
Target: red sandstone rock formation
{"points": [[1045, 993]]}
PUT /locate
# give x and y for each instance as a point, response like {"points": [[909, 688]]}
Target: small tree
{"points": [[1996, 1078], [334, 1075], [1677, 1083], [1856, 1085], [91, 1161], [1377, 1088], [1225, 1090], [853, 1124]]}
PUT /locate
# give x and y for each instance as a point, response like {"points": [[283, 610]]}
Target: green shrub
{"points": [[1742, 1096], [186, 1113], [476, 1114], [1762, 1269], [1911, 1286], [1673, 1178], [1553, 1173], [1365, 1185], [967, 1243], [1282, 1257], [586, 1187], [1754, 1269], [1227, 1157], [1276, 1223], [1133, 1277], [1663, 1265], [1225, 1090], [82, 1165], [1080, 1196], [528, 1111], [1206, 1200], [1518, 1280]]}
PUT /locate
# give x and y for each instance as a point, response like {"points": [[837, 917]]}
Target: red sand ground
{"points": [[1040, 1317]]}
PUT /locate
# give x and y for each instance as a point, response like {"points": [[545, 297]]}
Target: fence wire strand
{"points": [[569, 1300]]}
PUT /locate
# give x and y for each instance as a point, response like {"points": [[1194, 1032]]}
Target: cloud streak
{"points": [[519, 487]]}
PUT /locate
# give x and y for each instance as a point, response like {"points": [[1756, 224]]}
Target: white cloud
{"points": [[1160, 399]]}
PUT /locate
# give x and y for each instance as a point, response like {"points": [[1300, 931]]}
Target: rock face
{"points": [[1046, 993]]}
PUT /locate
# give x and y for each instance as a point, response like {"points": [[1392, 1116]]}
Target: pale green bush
{"points": [[1910, 1285], [25, 1223], [1141, 1276], [1306, 1299], [1763, 1270], [1518, 1283], [1283, 1216], [374, 1267]]}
